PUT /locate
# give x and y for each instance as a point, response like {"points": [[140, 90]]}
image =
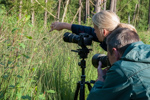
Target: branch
{"points": [[76, 13], [46, 9], [65, 11], [124, 6], [95, 5]]}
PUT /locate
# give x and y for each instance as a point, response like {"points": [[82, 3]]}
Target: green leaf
{"points": [[13, 30], [12, 86], [2, 64], [9, 62], [34, 81], [69, 58], [26, 97], [44, 38], [33, 69], [26, 56], [42, 96], [35, 49], [19, 95], [27, 17], [20, 34], [22, 45], [19, 76], [5, 76], [29, 37], [50, 91], [1, 94], [30, 25]]}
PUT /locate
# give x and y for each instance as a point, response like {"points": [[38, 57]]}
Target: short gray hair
{"points": [[120, 39]]}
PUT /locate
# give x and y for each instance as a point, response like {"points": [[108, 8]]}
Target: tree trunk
{"points": [[58, 10], [138, 13], [134, 13], [128, 18], [115, 5], [105, 4], [65, 10], [32, 12], [20, 10], [45, 17], [87, 11], [149, 17], [111, 5], [79, 17], [97, 7]]}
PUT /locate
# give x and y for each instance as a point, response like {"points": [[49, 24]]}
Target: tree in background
{"points": [[80, 10], [113, 4], [58, 10], [149, 16], [65, 10], [97, 5], [20, 10], [87, 12], [45, 16], [130, 11], [32, 12], [104, 1]]}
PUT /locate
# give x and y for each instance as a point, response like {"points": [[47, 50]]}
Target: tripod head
{"points": [[83, 39], [83, 52]]}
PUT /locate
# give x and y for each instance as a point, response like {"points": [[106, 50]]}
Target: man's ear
{"points": [[116, 53]]}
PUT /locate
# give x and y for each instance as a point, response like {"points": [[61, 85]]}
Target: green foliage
{"points": [[38, 65], [124, 8], [2, 9], [140, 20]]}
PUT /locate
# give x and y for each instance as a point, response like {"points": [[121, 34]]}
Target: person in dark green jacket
{"points": [[129, 75]]}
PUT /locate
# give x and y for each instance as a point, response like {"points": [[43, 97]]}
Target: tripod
{"points": [[81, 84]]}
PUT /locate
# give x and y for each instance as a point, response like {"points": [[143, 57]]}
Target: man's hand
{"points": [[101, 72]]}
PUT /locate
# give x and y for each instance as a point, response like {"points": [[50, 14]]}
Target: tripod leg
{"points": [[82, 89], [77, 91], [89, 85]]}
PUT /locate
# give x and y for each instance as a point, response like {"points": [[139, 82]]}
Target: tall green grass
{"points": [[38, 65]]}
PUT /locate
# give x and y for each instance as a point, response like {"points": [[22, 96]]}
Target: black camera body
{"points": [[84, 39], [81, 39], [100, 57]]}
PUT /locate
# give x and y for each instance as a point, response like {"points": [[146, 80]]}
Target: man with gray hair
{"points": [[129, 75]]}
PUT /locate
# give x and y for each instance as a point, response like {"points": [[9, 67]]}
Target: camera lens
{"points": [[72, 38], [81, 39], [100, 57]]}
